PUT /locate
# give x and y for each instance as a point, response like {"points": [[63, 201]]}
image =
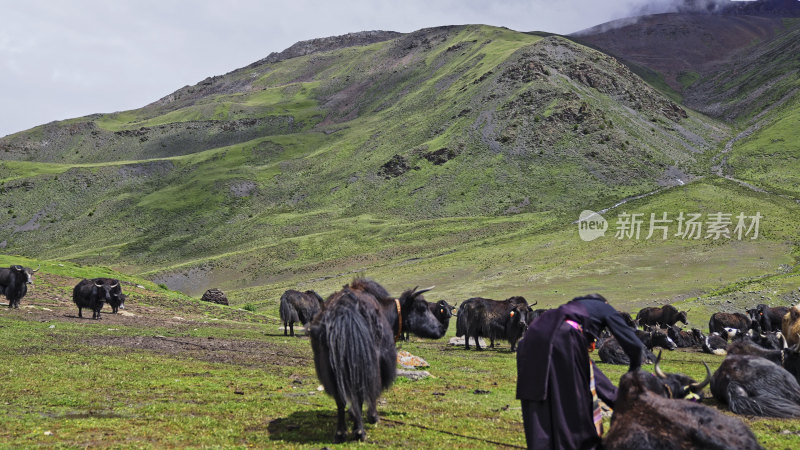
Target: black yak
{"points": [[685, 339], [442, 310], [610, 352], [655, 337], [353, 340], [753, 385], [770, 318], [296, 306], [629, 320], [644, 419], [14, 283], [117, 302], [664, 316], [728, 325], [494, 319], [715, 344], [93, 294]]}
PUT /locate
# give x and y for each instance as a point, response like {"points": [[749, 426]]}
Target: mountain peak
{"points": [[310, 46]]}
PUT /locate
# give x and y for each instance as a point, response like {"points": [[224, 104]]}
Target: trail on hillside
{"points": [[721, 168]]}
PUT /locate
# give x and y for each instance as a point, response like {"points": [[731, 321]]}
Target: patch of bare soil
{"points": [[246, 353]]}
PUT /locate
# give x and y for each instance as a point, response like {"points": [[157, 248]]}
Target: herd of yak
{"points": [[92, 294], [354, 333]]}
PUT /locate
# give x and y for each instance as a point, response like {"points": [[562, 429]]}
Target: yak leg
{"points": [[285, 328], [477, 344], [291, 328], [80, 312], [466, 341], [341, 426], [372, 411], [358, 423]]}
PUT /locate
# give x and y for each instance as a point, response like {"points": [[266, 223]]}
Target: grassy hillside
{"points": [[243, 176]]}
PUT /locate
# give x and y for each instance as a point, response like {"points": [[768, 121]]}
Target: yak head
{"points": [[107, 289], [656, 337], [25, 272], [417, 317], [443, 310], [675, 385]]}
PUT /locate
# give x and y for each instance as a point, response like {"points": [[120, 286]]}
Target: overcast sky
{"points": [[68, 58]]}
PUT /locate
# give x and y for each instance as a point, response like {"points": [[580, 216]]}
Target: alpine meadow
{"points": [[455, 156]]}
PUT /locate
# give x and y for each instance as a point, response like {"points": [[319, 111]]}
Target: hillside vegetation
{"points": [[289, 163]]}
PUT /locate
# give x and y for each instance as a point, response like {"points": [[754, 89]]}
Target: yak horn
{"points": [[115, 285], [37, 269], [98, 284], [657, 368], [698, 386], [422, 291], [535, 302]]}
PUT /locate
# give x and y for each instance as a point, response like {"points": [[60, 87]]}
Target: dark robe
{"points": [[553, 373]]}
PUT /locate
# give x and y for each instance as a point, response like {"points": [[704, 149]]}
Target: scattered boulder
{"points": [[215, 296], [409, 361]]}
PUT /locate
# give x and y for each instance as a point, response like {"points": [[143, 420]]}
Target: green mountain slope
{"points": [[455, 156], [442, 123]]}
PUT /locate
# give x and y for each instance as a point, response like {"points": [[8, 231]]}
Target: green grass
{"points": [[212, 379]]}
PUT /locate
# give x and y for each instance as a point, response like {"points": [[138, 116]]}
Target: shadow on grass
{"points": [[304, 427]]}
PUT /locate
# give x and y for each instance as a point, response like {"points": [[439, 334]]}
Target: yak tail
{"points": [[288, 313], [356, 354], [770, 404], [462, 321]]}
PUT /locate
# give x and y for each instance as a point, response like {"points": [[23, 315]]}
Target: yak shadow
{"points": [[304, 427]]}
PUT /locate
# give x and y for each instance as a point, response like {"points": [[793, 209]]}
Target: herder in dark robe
{"points": [[557, 382]]}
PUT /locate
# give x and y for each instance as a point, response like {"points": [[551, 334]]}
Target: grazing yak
{"points": [[664, 316], [644, 419], [791, 326], [14, 283], [753, 385], [94, 293], [493, 319], [770, 318], [353, 341], [296, 306], [729, 324]]}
